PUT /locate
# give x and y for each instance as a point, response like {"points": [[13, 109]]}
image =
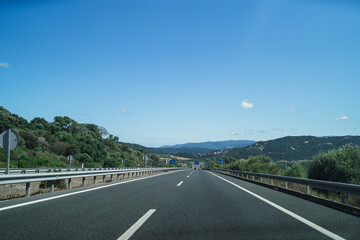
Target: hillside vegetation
{"points": [[287, 148], [339, 165], [46, 144]]}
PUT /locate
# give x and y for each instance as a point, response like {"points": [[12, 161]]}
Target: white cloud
{"points": [[124, 110], [293, 110], [234, 134], [246, 104], [4, 64], [341, 118]]}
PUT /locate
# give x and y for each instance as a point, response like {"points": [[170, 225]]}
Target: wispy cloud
{"points": [[278, 129], [4, 64], [293, 110], [261, 131], [249, 131], [245, 104], [124, 110], [234, 134], [341, 118]]}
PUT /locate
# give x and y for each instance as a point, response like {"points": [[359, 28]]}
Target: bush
{"points": [[296, 170], [341, 165]]}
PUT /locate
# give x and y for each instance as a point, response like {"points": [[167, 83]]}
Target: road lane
{"points": [[202, 207]]}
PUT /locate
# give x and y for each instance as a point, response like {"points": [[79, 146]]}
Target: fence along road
{"points": [[205, 206], [69, 175]]}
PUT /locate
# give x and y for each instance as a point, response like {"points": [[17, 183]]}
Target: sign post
{"points": [[70, 158], [9, 141], [145, 158]]}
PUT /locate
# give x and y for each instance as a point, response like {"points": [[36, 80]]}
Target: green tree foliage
{"points": [[296, 170], [259, 164], [341, 165], [46, 144]]}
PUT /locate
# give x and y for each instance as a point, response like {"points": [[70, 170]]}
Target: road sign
{"points": [[9, 141], [197, 163], [70, 158], [14, 139], [145, 158], [172, 161], [222, 161]]}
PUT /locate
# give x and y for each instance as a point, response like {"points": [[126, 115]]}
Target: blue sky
{"points": [[168, 72]]}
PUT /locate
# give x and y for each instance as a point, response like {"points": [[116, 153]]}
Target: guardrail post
{"points": [[51, 186], [117, 177], [123, 176], [111, 178], [286, 185], [69, 183], [27, 192], [94, 180], [83, 182], [308, 189], [104, 178], [253, 177], [247, 176], [261, 179], [271, 182], [242, 175]]}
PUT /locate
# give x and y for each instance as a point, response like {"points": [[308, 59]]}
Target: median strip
{"points": [[136, 225]]}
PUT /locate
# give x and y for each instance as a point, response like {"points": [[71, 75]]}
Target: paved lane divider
{"points": [[284, 210], [136, 225], [179, 184]]}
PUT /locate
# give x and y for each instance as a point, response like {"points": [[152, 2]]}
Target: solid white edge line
{"points": [[136, 225], [179, 183], [294, 215], [78, 192]]}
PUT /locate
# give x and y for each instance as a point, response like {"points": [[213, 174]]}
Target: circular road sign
{"points": [[14, 139]]}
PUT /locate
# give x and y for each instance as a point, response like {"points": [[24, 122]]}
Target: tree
{"points": [[296, 170], [341, 165], [63, 122]]}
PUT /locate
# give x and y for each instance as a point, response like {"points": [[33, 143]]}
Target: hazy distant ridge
{"points": [[214, 145]]}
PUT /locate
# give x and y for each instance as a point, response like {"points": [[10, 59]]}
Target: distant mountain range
{"points": [[193, 148], [287, 148], [205, 147]]}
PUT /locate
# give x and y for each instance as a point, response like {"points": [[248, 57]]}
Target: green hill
{"points": [[46, 144], [287, 148]]}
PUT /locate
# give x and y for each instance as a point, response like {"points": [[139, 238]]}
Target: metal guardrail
{"points": [[53, 176], [343, 188], [49, 170]]}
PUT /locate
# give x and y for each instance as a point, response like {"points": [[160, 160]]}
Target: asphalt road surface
{"points": [[177, 205]]}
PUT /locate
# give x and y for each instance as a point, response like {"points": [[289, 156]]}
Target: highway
{"points": [[177, 205]]}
